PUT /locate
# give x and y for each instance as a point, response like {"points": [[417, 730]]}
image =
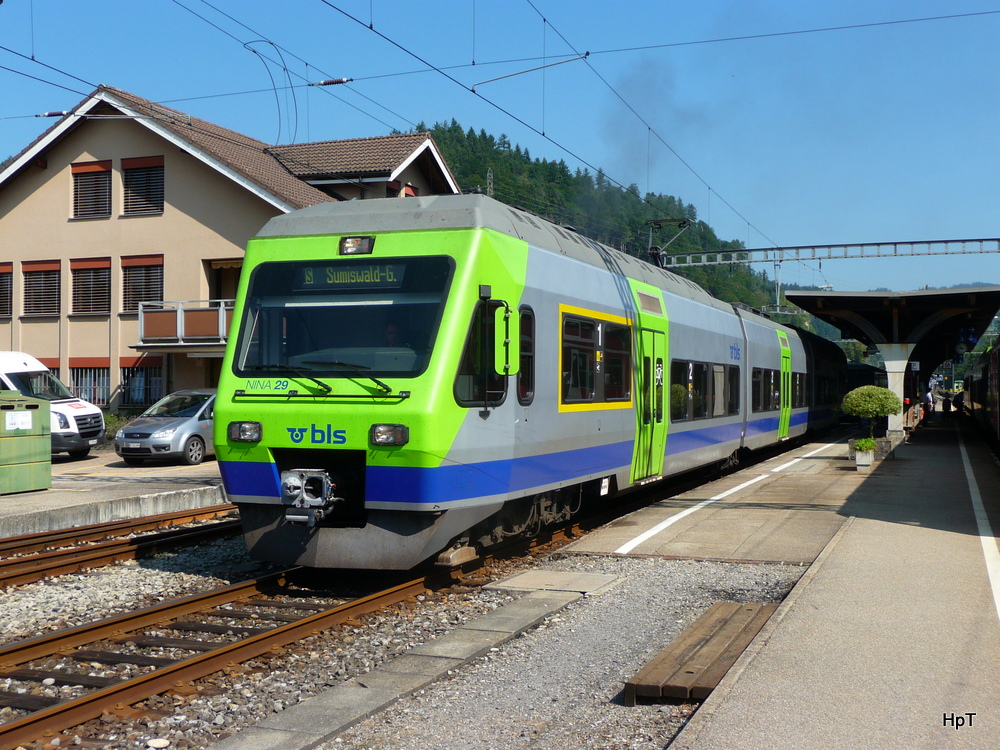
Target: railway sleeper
{"points": [[60, 678], [205, 627], [26, 702], [115, 657]]}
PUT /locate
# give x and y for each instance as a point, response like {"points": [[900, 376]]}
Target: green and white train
{"points": [[427, 376]]}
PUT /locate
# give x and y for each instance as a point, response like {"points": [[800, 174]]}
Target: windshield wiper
{"points": [[294, 371], [360, 369]]}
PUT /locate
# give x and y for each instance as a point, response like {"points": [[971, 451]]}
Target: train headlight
{"points": [[245, 432], [357, 245], [389, 434]]}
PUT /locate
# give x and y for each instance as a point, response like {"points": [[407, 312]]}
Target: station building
{"points": [[123, 227]]}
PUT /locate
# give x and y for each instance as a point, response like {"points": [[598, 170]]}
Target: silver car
{"points": [[176, 426]]}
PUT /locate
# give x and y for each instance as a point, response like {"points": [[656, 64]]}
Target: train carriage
{"points": [[407, 377]]}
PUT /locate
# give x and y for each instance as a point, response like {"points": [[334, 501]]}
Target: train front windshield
{"points": [[343, 318]]}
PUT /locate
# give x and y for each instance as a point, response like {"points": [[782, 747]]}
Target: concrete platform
{"points": [[892, 637], [784, 510], [101, 487]]}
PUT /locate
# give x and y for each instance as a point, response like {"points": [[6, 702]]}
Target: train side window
{"points": [[700, 393], [477, 381], [645, 390], [775, 390], [734, 390], [678, 391], [579, 357], [658, 398], [798, 389], [526, 373], [718, 390], [617, 363], [758, 389]]}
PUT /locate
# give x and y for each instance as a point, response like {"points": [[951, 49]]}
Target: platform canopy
{"points": [[926, 327], [940, 325]]}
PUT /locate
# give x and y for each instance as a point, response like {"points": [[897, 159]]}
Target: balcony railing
{"points": [[186, 322]]}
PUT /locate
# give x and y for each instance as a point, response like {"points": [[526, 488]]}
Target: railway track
{"points": [[29, 558], [167, 647], [64, 679]]}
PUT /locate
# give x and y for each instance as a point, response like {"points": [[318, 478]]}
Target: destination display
{"points": [[352, 276]]}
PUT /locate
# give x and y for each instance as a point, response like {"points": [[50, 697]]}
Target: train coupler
{"points": [[307, 495]]}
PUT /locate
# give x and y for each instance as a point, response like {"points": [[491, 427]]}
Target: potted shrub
{"points": [[864, 454], [869, 402]]}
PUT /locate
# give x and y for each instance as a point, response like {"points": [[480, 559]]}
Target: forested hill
{"points": [[593, 205]]}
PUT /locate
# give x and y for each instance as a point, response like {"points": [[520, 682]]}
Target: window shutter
{"points": [[91, 285], [6, 290], [91, 189], [143, 184], [141, 284], [41, 292]]}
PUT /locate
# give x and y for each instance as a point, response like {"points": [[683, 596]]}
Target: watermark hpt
{"points": [[957, 721]]}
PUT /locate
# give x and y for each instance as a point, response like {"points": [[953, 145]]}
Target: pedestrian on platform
{"points": [[928, 404]]}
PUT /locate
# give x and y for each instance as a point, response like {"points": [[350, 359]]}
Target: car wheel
{"points": [[133, 461], [194, 451], [82, 453]]}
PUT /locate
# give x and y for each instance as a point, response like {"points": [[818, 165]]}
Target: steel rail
{"points": [[79, 710], [31, 568], [46, 539]]}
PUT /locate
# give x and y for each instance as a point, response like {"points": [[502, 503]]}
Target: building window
{"points": [[142, 281], [141, 386], [92, 384], [91, 190], [6, 290], [142, 180], [41, 287], [91, 285]]}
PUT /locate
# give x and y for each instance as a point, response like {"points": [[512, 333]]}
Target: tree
{"points": [[871, 402]]}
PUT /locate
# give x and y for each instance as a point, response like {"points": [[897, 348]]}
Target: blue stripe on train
{"points": [[691, 440], [447, 483], [459, 482]]}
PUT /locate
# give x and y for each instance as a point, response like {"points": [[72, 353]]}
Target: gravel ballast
{"points": [[558, 686]]}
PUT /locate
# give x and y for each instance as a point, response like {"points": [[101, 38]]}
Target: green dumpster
{"points": [[25, 443]]}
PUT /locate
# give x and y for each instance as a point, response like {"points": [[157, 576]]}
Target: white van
{"points": [[77, 425]]}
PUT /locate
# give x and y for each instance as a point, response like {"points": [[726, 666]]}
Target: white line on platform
{"points": [[808, 455], [986, 536], [629, 546]]}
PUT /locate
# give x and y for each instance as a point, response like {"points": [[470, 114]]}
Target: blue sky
{"points": [[782, 122]]}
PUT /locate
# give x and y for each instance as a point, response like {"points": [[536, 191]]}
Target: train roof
{"points": [[475, 211]]}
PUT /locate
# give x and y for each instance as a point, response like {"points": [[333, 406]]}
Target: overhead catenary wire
{"points": [[285, 68], [642, 119], [486, 100]]}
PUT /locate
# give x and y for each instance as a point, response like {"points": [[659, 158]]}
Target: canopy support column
{"points": [[896, 357]]}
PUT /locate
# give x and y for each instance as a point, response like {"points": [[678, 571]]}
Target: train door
{"points": [[651, 373], [785, 392]]}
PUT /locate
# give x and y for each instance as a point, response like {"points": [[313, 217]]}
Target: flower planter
{"points": [[863, 460]]}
